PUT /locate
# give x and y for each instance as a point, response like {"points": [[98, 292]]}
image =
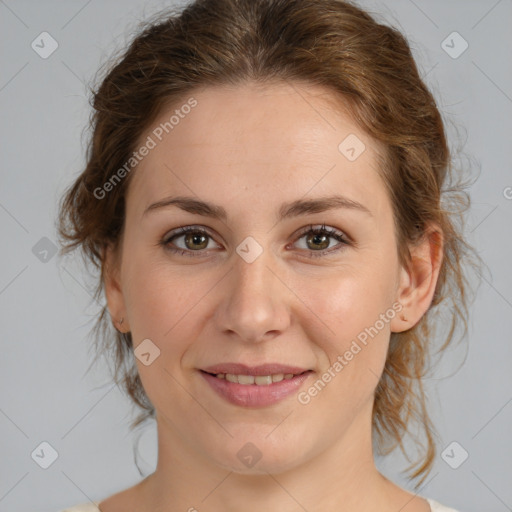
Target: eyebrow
{"points": [[287, 210]]}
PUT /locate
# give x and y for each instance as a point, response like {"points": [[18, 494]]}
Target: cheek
{"points": [[162, 308], [351, 353], [158, 300], [351, 319]]}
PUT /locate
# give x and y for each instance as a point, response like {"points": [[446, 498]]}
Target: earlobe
{"points": [[113, 289], [418, 282]]}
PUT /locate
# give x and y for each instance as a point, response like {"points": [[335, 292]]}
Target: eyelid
{"points": [[322, 227]]}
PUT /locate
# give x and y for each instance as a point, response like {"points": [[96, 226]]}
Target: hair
{"points": [[365, 64]]}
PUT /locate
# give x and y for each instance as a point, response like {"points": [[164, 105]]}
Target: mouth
{"points": [[258, 380], [254, 386]]}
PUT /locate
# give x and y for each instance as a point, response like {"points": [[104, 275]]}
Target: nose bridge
{"points": [[254, 304], [252, 278]]}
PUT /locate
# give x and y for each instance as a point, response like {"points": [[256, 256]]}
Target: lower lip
{"points": [[252, 395]]}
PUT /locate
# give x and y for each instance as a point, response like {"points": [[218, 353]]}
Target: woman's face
{"points": [[250, 284]]}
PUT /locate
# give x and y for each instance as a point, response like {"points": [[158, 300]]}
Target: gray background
{"points": [[46, 310]]}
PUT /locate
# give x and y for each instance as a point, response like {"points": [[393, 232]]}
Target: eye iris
{"points": [[196, 239], [315, 237]]}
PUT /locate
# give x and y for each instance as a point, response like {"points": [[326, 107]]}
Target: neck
{"points": [[341, 477]]}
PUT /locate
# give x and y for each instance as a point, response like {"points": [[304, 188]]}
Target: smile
{"points": [[255, 390], [259, 380]]}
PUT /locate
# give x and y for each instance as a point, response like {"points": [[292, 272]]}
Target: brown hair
{"points": [[369, 66]]}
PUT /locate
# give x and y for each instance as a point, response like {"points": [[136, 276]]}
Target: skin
{"points": [[250, 148]]}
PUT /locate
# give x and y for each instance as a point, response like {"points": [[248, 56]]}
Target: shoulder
{"points": [[85, 507], [437, 507]]}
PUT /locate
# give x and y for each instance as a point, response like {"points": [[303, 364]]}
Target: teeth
{"points": [[262, 380], [259, 380], [245, 379]]}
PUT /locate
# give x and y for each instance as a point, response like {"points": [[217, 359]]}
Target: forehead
{"points": [[271, 139]]}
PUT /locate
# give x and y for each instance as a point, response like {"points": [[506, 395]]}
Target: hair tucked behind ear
{"points": [[369, 68]]}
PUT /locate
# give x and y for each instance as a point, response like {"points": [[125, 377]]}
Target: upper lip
{"points": [[262, 369]]}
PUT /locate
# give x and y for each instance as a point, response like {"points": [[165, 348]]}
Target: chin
{"points": [[259, 457]]}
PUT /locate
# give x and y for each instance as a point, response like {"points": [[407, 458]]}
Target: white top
{"points": [[437, 507], [93, 507]]}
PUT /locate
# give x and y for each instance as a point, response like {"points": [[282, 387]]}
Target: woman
{"points": [[263, 198]]}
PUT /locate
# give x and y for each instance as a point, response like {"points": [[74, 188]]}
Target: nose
{"points": [[255, 305]]}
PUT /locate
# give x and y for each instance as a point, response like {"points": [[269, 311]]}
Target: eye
{"points": [[318, 242], [194, 238]]}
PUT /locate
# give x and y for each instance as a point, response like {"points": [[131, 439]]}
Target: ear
{"points": [[113, 290], [417, 282]]}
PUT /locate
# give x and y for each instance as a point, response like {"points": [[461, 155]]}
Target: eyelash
{"points": [[330, 232]]}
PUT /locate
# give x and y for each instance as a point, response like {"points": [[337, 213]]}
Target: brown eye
{"points": [[196, 241], [318, 239], [188, 240]]}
